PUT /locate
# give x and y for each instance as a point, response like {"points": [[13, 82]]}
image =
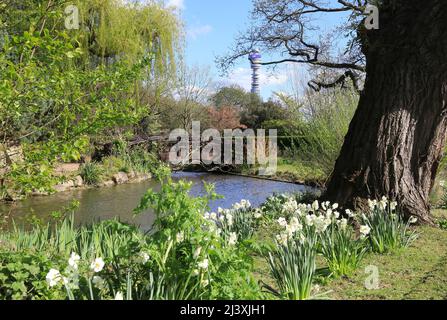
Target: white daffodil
{"points": [[197, 252], [258, 214], [349, 213], [203, 265], [413, 220], [213, 216], [383, 203], [233, 239], [343, 223], [73, 261], [283, 238], [315, 205], [282, 222], [180, 237], [206, 215], [143, 257], [53, 277], [310, 219], [365, 231], [99, 282], [97, 265], [229, 219], [372, 204], [119, 296], [205, 282], [245, 204], [393, 205], [335, 206], [294, 226], [290, 206]]}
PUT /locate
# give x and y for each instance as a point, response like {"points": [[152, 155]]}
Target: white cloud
{"points": [[195, 32], [242, 77], [179, 4]]}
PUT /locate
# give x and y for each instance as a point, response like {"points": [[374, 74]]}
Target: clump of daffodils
{"points": [[315, 218]]}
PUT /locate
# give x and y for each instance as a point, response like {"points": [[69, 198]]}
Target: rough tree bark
{"points": [[396, 139]]}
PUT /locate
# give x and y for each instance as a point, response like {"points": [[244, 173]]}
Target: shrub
{"points": [[322, 131], [442, 224], [113, 164], [91, 173]]}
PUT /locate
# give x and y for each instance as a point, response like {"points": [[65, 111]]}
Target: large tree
{"points": [[396, 139]]}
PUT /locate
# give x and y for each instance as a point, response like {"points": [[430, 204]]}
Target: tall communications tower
{"points": [[255, 59]]}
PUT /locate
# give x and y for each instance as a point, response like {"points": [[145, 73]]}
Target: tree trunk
{"points": [[396, 139]]}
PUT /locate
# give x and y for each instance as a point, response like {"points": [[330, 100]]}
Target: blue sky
{"points": [[211, 27]]}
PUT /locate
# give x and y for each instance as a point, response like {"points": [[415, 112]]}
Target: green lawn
{"points": [[418, 272]]}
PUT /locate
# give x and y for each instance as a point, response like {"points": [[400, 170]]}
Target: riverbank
{"points": [[291, 172]]}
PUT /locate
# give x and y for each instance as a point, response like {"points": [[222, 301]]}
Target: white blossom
{"points": [[197, 252], [180, 237], [119, 296], [349, 213], [229, 218], [343, 223], [203, 265], [53, 277], [365, 231], [283, 238], [99, 282], [143, 257], [73, 261], [413, 220], [97, 265], [393, 205], [233, 239]]}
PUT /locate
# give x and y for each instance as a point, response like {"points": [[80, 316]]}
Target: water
{"points": [[119, 201]]}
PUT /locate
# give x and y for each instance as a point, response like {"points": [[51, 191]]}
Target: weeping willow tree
{"points": [[112, 29]]}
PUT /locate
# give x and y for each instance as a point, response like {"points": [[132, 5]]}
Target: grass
{"points": [[294, 171], [415, 273]]}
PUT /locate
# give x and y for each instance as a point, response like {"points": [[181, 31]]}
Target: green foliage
{"points": [[442, 224], [22, 276], [342, 252], [59, 88], [322, 133], [91, 173], [386, 229], [293, 268]]}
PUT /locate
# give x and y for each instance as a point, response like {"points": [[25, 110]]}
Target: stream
{"points": [[119, 201]]}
